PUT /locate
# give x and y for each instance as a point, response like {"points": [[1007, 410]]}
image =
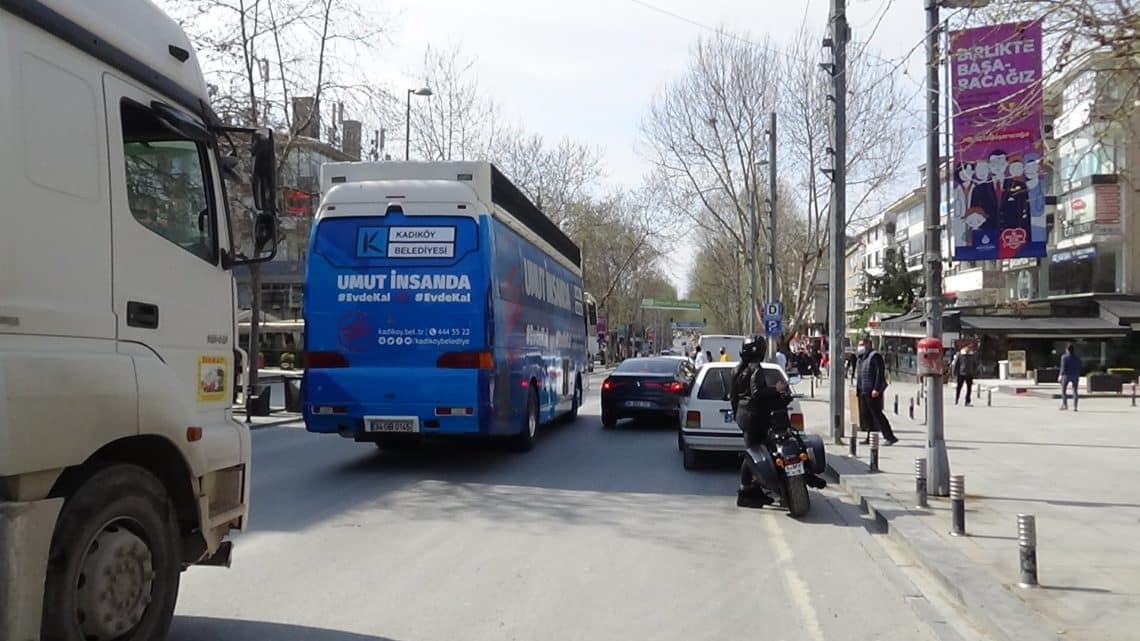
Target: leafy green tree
{"points": [[897, 287]]}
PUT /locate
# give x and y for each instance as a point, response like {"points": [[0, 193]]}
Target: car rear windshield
{"points": [[648, 366], [718, 381]]}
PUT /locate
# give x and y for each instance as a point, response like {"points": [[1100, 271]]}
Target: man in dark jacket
{"points": [[870, 385], [753, 402]]}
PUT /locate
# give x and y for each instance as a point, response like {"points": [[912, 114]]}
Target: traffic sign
{"points": [[774, 310], [657, 303], [773, 327]]}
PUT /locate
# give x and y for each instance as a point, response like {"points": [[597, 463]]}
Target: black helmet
{"points": [[753, 348]]}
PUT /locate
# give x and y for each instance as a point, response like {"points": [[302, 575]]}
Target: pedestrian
{"points": [[1071, 367], [723, 355], [963, 367], [700, 357], [851, 365], [870, 386], [782, 360]]}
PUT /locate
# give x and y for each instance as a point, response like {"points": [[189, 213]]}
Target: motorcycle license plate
{"points": [[795, 469]]}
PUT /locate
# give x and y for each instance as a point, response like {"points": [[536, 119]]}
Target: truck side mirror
{"points": [[264, 179]]}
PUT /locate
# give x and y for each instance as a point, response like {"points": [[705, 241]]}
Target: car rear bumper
{"points": [[714, 440]]}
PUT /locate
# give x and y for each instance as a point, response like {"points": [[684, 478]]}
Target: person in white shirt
{"points": [[782, 361], [701, 359]]}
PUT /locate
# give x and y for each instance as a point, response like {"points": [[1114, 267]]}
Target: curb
{"points": [[985, 602]]}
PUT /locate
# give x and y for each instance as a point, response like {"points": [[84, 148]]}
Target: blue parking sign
{"points": [[773, 327]]}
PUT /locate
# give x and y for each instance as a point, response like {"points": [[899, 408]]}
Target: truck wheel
{"points": [[798, 501], [113, 566], [525, 440]]}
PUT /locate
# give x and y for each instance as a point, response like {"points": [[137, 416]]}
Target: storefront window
{"points": [[1086, 272]]}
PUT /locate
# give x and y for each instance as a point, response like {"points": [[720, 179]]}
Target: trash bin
{"points": [[258, 404], [1003, 370], [293, 395]]}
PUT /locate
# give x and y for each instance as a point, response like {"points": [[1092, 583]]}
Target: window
{"points": [[167, 189], [648, 366], [718, 382]]}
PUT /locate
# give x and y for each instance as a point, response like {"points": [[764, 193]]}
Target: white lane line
{"points": [[797, 588]]}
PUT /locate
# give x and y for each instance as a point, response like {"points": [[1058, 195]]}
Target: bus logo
{"points": [[372, 242]]}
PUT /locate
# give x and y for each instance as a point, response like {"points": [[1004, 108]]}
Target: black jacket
{"points": [[872, 374], [753, 400]]}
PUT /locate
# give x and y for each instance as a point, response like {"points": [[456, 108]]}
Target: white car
{"points": [[707, 423]]}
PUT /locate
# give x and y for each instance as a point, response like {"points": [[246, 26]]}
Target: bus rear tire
{"points": [[116, 535], [573, 415], [524, 442]]}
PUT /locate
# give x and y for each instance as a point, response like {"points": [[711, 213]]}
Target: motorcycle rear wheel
{"points": [[797, 495]]}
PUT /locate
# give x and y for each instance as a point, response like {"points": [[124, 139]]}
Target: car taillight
{"points": [[692, 418], [797, 421], [466, 360], [321, 360], [676, 387], [607, 385]]}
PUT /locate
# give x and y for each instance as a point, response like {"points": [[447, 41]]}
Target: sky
{"points": [[588, 69]]}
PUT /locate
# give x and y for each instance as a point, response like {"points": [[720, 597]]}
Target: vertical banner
{"points": [[999, 184]]}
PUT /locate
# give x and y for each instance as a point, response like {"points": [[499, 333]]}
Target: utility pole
{"points": [[938, 472], [772, 293], [753, 248], [837, 285]]}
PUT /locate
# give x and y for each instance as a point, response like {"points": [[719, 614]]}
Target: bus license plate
{"points": [[795, 469], [382, 424]]}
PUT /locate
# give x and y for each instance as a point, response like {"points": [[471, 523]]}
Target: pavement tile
{"points": [[1075, 472]]}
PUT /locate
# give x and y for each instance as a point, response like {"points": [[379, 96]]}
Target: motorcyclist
{"points": [[753, 402]]}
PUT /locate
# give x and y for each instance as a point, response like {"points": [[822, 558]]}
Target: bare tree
{"points": [[456, 122], [880, 138]]}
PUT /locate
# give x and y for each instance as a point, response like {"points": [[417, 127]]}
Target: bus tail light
{"points": [[466, 360], [454, 411], [321, 360]]}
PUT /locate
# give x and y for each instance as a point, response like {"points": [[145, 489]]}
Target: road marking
{"points": [[797, 588]]}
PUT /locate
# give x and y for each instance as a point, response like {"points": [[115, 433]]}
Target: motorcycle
{"points": [[787, 463]]}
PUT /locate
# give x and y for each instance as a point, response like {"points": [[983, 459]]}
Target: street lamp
{"points": [[422, 91], [938, 470]]}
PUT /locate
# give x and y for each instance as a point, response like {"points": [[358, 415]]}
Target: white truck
{"points": [[120, 461]]}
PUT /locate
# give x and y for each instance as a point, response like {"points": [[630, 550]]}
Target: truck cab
{"points": [[117, 331]]}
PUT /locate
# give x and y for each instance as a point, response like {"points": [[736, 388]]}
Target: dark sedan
{"points": [[650, 388]]}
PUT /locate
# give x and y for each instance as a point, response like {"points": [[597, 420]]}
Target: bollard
{"points": [[910, 409], [1027, 548], [874, 451], [897, 400], [918, 397], [812, 379], [1134, 395], [989, 398], [920, 481], [852, 445], [958, 504]]}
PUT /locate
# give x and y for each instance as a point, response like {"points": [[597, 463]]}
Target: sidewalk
{"points": [[1077, 472]]}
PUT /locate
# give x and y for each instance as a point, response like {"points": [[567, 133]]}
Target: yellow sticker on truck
{"points": [[212, 378]]}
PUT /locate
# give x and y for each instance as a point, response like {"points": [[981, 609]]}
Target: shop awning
{"points": [[913, 325], [1121, 312], [1043, 327]]}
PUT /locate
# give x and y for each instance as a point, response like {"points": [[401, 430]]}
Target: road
{"points": [[593, 535]]}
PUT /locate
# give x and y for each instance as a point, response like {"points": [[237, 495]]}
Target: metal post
{"points": [[773, 295], [918, 397], [408, 128], [896, 404], [753, 247], [958, 504], [910, 410], [920, 482], [989, 398], [1134, 395], [938, 459], [838, 213], [852, 445], [874, 451], [1027, 549], [812, 385]]}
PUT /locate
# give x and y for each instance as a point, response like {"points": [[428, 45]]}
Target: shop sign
{"points": [[1016, 362], [1081, 253]]}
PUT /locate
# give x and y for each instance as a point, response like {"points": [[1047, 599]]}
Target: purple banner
{"points": [[998, 208]]}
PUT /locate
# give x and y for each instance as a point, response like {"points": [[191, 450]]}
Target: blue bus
{"points": [[439, 301]]}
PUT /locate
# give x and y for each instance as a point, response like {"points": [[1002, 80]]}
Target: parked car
{"points": [[706, 422], [649, 388]]}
